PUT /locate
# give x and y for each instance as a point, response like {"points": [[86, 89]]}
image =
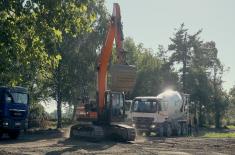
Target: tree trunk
{"points": [[59, 114], [217, 116], [59, 97], [217, 111], [185, 52], [183, 76]]}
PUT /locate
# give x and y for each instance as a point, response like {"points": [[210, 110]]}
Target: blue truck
{"points": [[14, 103]]}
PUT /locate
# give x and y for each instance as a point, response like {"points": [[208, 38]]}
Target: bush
{"points": [[38, 117]]}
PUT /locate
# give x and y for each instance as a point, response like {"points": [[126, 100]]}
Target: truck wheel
{"points": [[168, 131], [14, 134], [1, 134], [178, 131], [147, 133], [185, 129], [160, 131]]}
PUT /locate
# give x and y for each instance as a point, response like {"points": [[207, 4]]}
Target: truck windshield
{"points": [[21, 98], [148, 106]]}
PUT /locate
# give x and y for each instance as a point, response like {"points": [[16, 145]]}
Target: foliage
{"points": [[37, 39], [73, 75], [232, 95], [37, 116], [201, 74], [153, 74]]}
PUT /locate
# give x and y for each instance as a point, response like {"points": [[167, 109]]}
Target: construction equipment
{"points": [[106, 117], [165, 114]]}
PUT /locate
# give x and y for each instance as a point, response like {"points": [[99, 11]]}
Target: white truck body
{"points": [[150, 113], [172, 104]]}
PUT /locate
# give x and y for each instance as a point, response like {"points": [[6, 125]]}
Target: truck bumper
{"points": [[9, 124], [147, 128]]}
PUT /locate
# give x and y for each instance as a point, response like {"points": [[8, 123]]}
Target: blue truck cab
{"points": [[14, 103]]}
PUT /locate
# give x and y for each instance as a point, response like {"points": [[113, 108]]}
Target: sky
{"points": [[152, 22]]}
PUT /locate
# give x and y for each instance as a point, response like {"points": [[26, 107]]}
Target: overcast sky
{"points": [[152, 22]]}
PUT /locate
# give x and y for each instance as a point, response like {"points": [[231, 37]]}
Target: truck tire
{"points": [[178, 130], [185, 129], [160, 132], [1, 134], [147, 133], [168, 130], [14, 134]]}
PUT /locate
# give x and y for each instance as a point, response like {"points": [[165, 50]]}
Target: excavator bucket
{"points": [[123, 77]]}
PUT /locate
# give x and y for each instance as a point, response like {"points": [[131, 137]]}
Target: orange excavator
{"points": [[106, 117]]}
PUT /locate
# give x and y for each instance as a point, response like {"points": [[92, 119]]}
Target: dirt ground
{"points": [[54, 142]]}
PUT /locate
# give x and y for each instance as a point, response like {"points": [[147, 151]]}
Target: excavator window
{"points": [[117, 108], [116, 102]]}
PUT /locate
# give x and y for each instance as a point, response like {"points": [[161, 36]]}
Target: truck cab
{"points": [[13, 110], [145, 112]]}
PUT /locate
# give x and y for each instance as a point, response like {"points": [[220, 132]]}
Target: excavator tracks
{"points": [[87, 132], [90, 132], [121, 132]]}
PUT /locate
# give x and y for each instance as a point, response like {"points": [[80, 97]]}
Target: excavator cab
{"points": [[114, 110]]}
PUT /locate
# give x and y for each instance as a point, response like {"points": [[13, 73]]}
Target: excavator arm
{"points": [[114, 32]]}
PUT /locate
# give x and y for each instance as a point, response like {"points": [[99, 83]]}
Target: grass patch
{"points": [[219, 135], [231, 126]]}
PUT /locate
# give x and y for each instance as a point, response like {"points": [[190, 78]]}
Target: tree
{"points": [[80, 31], [182, 47], [232, 95], [201, 74], [231, 106], [23, 55]]}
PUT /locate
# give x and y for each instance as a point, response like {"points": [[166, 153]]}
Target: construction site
{"points": [[72, 83]]}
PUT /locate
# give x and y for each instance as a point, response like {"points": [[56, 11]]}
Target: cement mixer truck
{"points": [[165, 114]]}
